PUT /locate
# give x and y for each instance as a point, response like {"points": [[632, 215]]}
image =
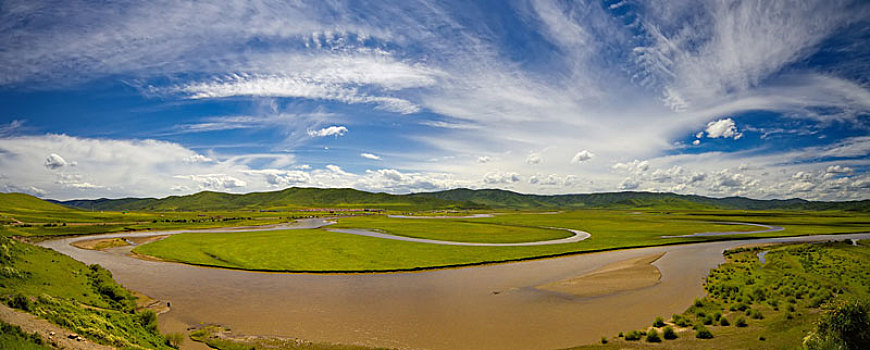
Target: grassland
{"points": [[83, 299], [765, 306], [323, 251], [454, 230]]}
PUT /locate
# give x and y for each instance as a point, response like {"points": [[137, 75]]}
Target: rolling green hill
{"points": [[291, 198], [19, 202], [462, 198]]}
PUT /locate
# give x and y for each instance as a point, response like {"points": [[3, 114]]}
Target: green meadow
{"points": [[319, 250], [81, 298], [811, 296]]}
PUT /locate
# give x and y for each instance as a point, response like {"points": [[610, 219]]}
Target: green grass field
{"points": [[323, 251], [780, 301], [454, 229], [83, 299]]}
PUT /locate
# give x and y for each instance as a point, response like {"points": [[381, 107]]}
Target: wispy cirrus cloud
{"points": [[532, 84]]}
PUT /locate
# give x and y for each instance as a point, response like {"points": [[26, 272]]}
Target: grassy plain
{"points": [[454, 230], [323, 251], [83, 299], [778, 302]]}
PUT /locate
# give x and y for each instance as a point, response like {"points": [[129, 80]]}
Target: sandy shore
{"points": [[617, 277]]}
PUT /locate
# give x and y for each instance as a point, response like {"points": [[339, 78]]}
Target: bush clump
{"points": [[653, 336], [724, 322], [740, 322], [843, 325], [668, 333], [703, 333], [633, 335], [659, 322]]}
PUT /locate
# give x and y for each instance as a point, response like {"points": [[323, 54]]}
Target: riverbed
{"points": [[482, 307]]}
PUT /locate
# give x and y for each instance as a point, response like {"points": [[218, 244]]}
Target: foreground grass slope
{"points": [[83, 299], [774, 305], [324, 251]]}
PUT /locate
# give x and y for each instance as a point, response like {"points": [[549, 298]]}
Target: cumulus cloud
{"points": [[369, 156], [282, 178], [55, 161], [838, 169], [483, 159], [725, 128], [633, 166], [549, 180], [534, 158], [582, 156], [496, 177], [214, 181], [629, 184], [334, 130]]}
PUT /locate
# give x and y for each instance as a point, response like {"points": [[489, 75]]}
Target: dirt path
{"points": [[52, 334]]}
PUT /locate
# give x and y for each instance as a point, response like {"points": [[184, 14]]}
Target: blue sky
{"points": [[764, 99]]}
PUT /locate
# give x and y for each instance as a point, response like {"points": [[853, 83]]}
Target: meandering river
{"points": [[482, 307]]}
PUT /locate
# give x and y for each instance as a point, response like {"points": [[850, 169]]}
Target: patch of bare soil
{"points": [[101, 243], [621, 276], [52, 334]]}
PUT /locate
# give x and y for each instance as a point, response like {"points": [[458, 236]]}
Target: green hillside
{"points": [[461, 198], [20, 202], [291, 198]]}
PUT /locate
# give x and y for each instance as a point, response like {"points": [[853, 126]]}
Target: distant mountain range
{"points": [[297, 198]]}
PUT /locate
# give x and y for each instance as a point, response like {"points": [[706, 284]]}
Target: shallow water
{"points": [[484, 307]]}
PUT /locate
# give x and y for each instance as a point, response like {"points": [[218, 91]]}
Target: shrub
{"points": [[756, 314], [668, 333], [603, 340], [681, 321], [21, 302], [703, 333], [653, 336], [633, 335], [148, 319], [843, 325], [724, 322], [659, 322], [174, 339], [708, 320], [741, 322]]}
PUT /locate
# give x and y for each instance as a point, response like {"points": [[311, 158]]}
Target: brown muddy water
{"points": [[483, 307]]}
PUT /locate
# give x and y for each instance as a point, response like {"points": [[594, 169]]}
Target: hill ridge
{"points": [[458, 198]]}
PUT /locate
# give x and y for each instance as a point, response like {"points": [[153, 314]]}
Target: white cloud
{"points": [[328, 131], [696, 142], [635, 166], [582, 156], [282, 178], [483, 159], [534, 158], [725, 128], [214, 181], [549, 180], [11, 128], [629, 184], [369, 156], [496, 177], [838, 169], [55, 161], [341, 77]]}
